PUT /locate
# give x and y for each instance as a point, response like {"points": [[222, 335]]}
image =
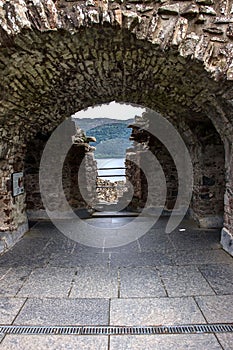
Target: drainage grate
{"points": [[118, 330]]}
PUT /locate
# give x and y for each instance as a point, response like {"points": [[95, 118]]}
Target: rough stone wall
{"points": [[11, 160], [58, 57], [169, 168], [80, 190], [13, 221], [229, 200], [31, 167], [207, 155], [227, 232], [65, 48], [209, 186], [138, 178], [79, 156]]}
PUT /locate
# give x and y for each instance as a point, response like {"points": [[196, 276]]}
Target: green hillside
{"points": [[112, 135]]}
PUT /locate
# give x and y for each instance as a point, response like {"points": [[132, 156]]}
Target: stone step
{"points": [[106, 214]]}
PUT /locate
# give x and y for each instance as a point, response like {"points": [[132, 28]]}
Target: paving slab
{"points": [[155, 311], [48, 282], [1, 337], [196, 239], [95, 282], [122, 221], [9, 308], [104, 224], [30, 246], [226, 340], [141, 282], [12, 282], [64, 312], [217, 308], [86, 249], [76, 259], [199, 257], [61, 244], [155, 242], [109, 222], [54, 342], [220, 277], [44, 226], [3, 272], [184, 281], [165, 342], [139, 259], [114, 214], [127, 248], [12, 260], [45, 230], [186, 263], [27, 252]]}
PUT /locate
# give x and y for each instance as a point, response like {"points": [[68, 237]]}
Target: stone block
{"points": [[52, 311], [54, 342], [156, 311]]}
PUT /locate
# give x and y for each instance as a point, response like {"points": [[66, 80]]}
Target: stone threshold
{"points": [[9, 238], [227, 241]]}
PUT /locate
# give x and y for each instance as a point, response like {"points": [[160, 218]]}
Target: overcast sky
{"points": [[112, 110]]}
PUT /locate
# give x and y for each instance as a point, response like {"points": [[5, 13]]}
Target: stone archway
{"points": [[58, 57]]}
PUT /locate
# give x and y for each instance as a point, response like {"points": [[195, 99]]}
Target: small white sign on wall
{"points": [[17, 184]]}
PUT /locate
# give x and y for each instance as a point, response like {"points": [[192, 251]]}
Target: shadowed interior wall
{"points": [[207, 154], [79, 156]]}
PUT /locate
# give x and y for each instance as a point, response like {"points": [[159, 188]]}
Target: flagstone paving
{"points": [[177, 278]]}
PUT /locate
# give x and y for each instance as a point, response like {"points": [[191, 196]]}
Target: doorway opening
{"points": [[107, 126]]}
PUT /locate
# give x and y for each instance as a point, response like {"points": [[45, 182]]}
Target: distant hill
{"points": [[89, 123], [112, 135]]}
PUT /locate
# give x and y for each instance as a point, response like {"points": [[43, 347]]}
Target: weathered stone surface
{"points": [[154, 311], [58, 57], [216, 308], [79, 259], [94, 282], [226, 340], [53, 342], [208, 188], [13, 280], [49, 282], [173, 9], [166, 342], [190, 11], [208, 10], [9, 308], [132, 259], [220, 277], [201, 257], [64, 312], [140, 283], [184, 281]]}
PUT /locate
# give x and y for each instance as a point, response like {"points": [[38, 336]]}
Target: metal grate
{"points": [[118, 330]]}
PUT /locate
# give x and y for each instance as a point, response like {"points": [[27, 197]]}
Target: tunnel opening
{"points": [[107, 127], [207, 155], [93, 67], [173, 59]]}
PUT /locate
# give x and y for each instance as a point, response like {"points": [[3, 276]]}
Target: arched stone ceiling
{"points": [[58, 57]]}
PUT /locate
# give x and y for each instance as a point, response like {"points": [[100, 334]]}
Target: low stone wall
{"points": [[110, 191]]}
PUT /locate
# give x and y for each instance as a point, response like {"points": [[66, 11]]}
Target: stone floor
{"points": [[177, 278]]}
